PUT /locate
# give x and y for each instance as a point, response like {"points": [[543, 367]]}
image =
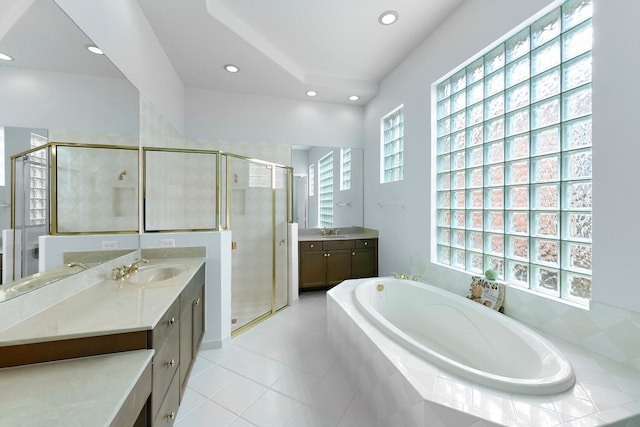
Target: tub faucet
{"points": [[402, 276]]}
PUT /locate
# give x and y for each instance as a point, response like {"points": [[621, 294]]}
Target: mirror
{"points": [[344, 173], [75, 262], [56, 89]]}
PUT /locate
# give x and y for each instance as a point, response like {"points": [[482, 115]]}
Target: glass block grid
{"points": [[38, 179], [325, 190], [393, 146], [514, 189], [345, 169]]}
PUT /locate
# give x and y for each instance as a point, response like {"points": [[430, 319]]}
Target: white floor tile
{"points": [[358, 415], [212, 381], [239, 395], [267, 372], [207, 415], [241, 361], [190, 401], [296, 384], [309, 417], [271, 409], [239, 422]]}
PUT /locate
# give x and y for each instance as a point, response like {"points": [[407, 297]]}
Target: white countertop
{"points": [[108, 307], [77, 392], [349, 233]]}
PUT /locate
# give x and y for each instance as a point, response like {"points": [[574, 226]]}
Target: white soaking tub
{"points": [[463, 337]]}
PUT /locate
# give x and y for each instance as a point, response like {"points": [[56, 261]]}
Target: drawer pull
{"points": [[353, 253], [171, 415], [198, 301], [171, 363], [310, 246], [366, 243], [172, 321]]}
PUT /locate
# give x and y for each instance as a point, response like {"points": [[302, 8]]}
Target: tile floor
{"points": [[282, 372]]}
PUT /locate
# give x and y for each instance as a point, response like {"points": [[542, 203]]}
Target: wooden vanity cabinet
{"points": [[191, 325], [325, 263], [364, 259]]}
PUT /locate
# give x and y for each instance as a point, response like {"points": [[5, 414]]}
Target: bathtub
{"points": [[463, 337]]}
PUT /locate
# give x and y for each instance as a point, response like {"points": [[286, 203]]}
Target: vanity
{"points": [[330, 256], [147, 325]]}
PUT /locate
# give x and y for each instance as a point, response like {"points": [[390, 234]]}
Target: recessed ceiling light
{"points": [[95, 49], [231, 68], [388, 17], [311, 93], [354, 98], [5, 57]]}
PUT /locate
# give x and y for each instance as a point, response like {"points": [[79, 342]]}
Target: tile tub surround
{"points": [[93, 391], [403, 390]]}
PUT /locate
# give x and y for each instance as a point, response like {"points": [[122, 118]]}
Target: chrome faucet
{"points": [[120, 273]]}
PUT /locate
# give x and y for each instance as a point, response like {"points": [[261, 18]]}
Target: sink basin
{"points": [[156, 273], [34, 282]]}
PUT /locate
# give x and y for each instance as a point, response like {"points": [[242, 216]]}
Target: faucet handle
{"points": [[415, 278], [403, 276], [395, 275]]}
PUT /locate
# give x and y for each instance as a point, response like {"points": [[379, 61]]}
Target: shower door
{"points": [[258, 223]]}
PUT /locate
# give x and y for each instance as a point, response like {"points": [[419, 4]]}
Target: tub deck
{"points": [[404, 390]]}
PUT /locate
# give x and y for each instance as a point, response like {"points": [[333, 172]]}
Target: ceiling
{"points": [[286, 47], [283, 47]]}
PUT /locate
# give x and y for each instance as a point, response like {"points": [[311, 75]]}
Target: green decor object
{"points": [[491, 274]]}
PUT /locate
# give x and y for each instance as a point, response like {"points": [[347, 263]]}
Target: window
{"points": [[38, 173], [513, 162], [312, 180], [325, 190], [392, 146], [2, 171], [345, 169]]}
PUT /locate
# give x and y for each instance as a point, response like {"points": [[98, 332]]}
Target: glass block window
{"points": [[392, 146], [2, 171], [38, 181], [312, 180], [325, 190], [345, 169], [259, 175], [513, 156]]}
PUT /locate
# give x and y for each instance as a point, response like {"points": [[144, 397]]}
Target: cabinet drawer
{"points": [[165, 364], [166, 325], [168, 410], [337, 244], [315, 245], [366, 243]]}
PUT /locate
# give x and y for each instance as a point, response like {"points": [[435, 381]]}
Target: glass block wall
{"points": [[325, 190], [513, 165], [345, 169], [393, 146]]}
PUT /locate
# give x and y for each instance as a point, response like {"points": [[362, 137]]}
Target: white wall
{"points": [[121, 30], [44, 99], [405, 234], [240, 117]]}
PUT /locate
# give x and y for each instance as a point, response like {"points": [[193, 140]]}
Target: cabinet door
{"points": [[186, 346], [363, 263], [338, 266], [198, 320], [312, 269]]}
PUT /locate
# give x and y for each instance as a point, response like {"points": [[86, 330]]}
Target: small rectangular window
{"points": [[345, 169], [325, 190], [392, 146], [312, 180]]}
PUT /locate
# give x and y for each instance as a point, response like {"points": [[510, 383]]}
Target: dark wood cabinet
{"points": [[364, 259], [325, 263]]}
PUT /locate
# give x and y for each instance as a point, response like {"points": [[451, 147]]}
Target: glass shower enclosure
{"points": [[30, 216]]}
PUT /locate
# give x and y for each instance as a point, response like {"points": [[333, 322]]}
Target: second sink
{"points": [[156, 273]]}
